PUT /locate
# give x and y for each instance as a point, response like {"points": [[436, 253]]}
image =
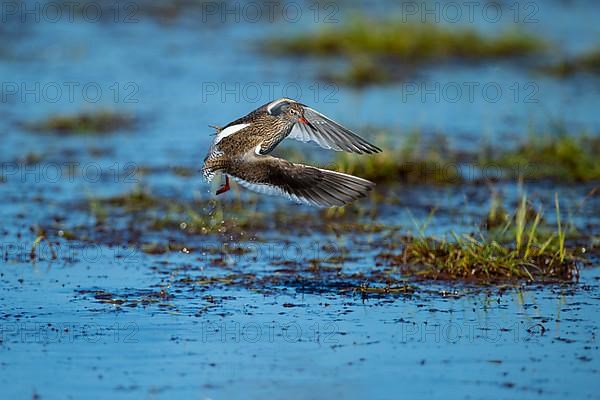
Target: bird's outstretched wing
{"points": [[302, 183], [329, 134]]}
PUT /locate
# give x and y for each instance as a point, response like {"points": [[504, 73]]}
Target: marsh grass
{"points": [[407, 41], [558, 157], [413, 162], [497, 215], [562, 157], [517, 250], [41, 236], [103, 121]]}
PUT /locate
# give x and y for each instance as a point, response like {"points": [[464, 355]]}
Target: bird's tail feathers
{"points": [[217, 129]]}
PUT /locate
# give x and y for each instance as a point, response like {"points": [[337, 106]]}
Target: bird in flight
{"points": [[241, 150]]}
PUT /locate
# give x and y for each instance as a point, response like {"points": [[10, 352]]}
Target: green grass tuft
{"points": [[561, 157], [519, 250], [408, 41]]}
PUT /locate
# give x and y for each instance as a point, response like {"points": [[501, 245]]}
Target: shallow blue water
{"points": [[528, 342]]}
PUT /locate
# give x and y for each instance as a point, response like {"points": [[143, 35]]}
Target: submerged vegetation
{"points": [[102, 121]]}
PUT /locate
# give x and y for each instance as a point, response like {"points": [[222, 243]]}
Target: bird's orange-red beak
{"points": [[305, 122]]}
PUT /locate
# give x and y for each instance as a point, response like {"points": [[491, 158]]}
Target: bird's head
{"points": [[288, 110]]}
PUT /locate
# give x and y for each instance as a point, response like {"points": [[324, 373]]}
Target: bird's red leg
{"points": [[224, 187]]}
